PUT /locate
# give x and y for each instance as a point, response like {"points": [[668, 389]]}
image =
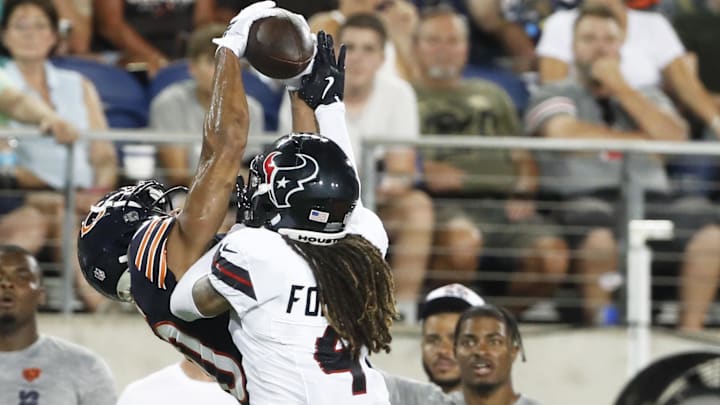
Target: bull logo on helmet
{"points": [[284, 181]]}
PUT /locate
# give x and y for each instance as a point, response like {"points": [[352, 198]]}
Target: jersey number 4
{"points": [[335, 358]]}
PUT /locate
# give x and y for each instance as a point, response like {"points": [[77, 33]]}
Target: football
{"points": [[280, 47]]}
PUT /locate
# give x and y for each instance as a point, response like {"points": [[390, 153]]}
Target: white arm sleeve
{"points": [[285, 116], [332, 125], [182, 303]]}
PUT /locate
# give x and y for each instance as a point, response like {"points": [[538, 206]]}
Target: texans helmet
{"points": [[304, 187], [106, 232]]}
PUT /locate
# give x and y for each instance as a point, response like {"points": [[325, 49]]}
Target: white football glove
{"points": [[236, 35]]}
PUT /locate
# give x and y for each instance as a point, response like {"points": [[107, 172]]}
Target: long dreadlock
{"points": [[356, 290]]}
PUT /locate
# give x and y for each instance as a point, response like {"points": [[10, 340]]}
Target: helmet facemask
{"points": [[108, 229], [254, 205]]}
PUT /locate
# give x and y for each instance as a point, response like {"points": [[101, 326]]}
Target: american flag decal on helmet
{"points": [[319, 216]]}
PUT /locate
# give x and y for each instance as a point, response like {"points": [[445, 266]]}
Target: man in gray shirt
{"points": [[41, 370], [182, 106], [597, 103], [487, 342]]}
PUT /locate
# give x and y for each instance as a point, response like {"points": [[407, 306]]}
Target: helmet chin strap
{"points": [[314, 238]]}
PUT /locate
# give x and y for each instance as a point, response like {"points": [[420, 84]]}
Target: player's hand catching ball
{"points": [[236, 35], [326, 83]]}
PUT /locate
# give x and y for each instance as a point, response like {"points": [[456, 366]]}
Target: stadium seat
{"points": [[124, 98], [511, 83]]}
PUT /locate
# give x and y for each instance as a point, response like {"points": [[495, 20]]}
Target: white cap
{"points": [[449, 298]]}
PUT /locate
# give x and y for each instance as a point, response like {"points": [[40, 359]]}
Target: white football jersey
{"points": [[290, 353]]}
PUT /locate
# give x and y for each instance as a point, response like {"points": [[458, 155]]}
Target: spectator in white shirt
{"points": [[651, 54], [182, 383]]}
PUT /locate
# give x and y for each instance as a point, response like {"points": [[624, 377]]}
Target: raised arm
{"points": [[303, 117], [224, 140], [323, 91]]}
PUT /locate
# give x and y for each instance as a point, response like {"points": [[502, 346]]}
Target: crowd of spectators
{"points": [[512, 223]]}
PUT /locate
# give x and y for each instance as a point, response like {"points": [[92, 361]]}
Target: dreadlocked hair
{"points": [[355, 285]]}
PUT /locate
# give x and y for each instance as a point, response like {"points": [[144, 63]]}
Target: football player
{"points": [[301, 195], [305, 279], [129, 241]]}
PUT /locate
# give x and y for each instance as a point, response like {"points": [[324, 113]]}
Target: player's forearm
{"points": [[209, 302], [303, 117], [225, 137], [203, 213], [226, 122], [194, 297]]}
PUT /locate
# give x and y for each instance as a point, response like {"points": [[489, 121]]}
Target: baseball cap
{"points": [[449, 298]]}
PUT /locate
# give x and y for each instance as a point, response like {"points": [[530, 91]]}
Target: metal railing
{"points": [[634, 234], [633, 196], [143, 136]]}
